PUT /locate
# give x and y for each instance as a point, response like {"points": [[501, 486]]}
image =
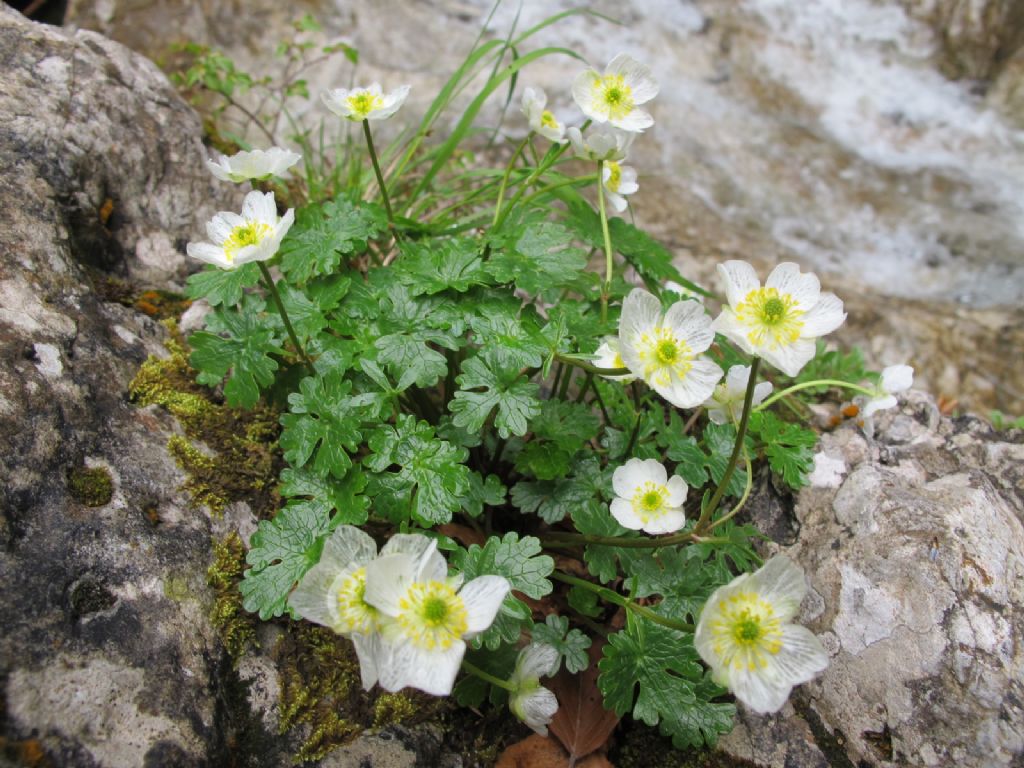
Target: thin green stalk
{"points": [[563, 388], [591, 368], [376, 170], [606, 287], [566, 539], [586, 385], [614, 597], [268, 281], [737, 449], [743, 499], [487, 676], [545, 190], [504, 178], [816, 383]]}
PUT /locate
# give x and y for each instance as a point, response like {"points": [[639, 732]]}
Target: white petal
{"points": [[583, 88], [897, 378], [576, 140], [759, 693], [388, 578], [337, 101], [617, 202], [392, 103], [641, 311], [635, 122], [637, 76], [669, 521], [311, 598], [260, 207], [404, 665], [219, 228], [220, 168], [623, 513], [368, 649], [209, 253], [282, 226], [736, 380], [789, 358], [719, 416], [761, 391], [694, 388], [870, 407], [677, 489], [534, 661], [535, 708], [824, 317], [781, 583], [738, 279], [804, 288], [634, 473], [483, 597], [689, 320], [347, 547], [416, 545], [729, 326], [801, 657]]}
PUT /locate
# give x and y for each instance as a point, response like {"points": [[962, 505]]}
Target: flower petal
{"points": [[689, 320], [348, 547], [801, 657], [535, 660], [433, 671], [781, 582], [219, 228], [761, 694], [729, 326], [738, 279], [897, 378], [483, 597], [623, 513], [368, 650], [628, 477], [638, 77], [677, 490], [669, 521], [583, 89], [311, 598], [803, 287], [209, 253], [635, 122], [789, 358], [388, 578], [695, 387], [824, 317]]}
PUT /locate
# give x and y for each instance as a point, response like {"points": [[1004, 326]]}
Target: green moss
{"points": [[235, 625], [92, 487], [392, 708], [242, 462]]}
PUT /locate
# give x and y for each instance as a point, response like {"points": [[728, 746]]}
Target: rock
{"points": [[913, 544]]}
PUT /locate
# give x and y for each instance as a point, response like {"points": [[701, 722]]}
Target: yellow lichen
{"points": [[235, 625]]}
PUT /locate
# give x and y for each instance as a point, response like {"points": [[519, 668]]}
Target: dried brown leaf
{"points": [[581, 723]]}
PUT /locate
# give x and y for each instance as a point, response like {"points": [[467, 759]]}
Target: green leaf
{"points": [[432, 266], [673, 691], [306, 318], [844, 366], [594, 518], [543, 460], [584, 602], [516, 399], [652, 260], [719, 440], [431, 481], [471, 691], [283, 549], [552, 500], [538, 257], [571, 644], [684, 450], [343, 497], [490, 492], [242, 354], [222, 286], [323, 420], [508, 340], [789, 447], [409, 326], [322, 234]]}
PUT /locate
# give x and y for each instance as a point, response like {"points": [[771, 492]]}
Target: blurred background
{"points": [[879, 143]]}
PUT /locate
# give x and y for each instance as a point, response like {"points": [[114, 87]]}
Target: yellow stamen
{"points": [[244, 235], [615, 96], [614, 175], [772, 319], [663, 354], [650, 501], [432, 615], [362, 103], [548, 120], [746, 632], [356, 614]]}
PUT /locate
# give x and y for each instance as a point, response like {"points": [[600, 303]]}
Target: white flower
{"points": [[423, 642], [895, 378], [619, 181], [664, 350], [613, 97], [726, 404], [542, 120], [360, 104], [253, 236], [744, 635], [780, 321], [601, 143], [332, 592], [255, 165], [647, 498], [531, 702], [607, 356]]}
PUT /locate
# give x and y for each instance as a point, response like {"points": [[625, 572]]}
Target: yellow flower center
{"points": [[362, 103], [432, 615], [745, 632], [614, 175], [771, 318], [662, 355], [650, 501], [548, 120], [244, 235], [616, 96], [356, 615]]}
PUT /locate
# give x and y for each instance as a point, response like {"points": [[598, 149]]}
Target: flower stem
{"points": [[508, 172], [268, 281], [614, 597], [592, 368], [606, 287], [487, 676], [816, 383], [737, 449], [739, 504], [376, 170]]}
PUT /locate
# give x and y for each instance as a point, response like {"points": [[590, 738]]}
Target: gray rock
{"points": [[913, 544]]}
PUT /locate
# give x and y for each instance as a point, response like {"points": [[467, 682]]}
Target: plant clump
{"points": [[91, 486]]}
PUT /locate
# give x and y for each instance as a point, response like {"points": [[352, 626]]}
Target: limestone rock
{"points": [[913, 544]]}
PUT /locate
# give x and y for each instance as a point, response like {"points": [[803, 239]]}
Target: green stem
{"points": [[606, 287], [487, 676], [614, 597], [816, 383], [743, 499], [268, 281], [508, 172], [577, 180], [376, 170], [737, 449]]}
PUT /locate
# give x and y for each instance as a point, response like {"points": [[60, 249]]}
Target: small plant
{"points": [[477, 419]]}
